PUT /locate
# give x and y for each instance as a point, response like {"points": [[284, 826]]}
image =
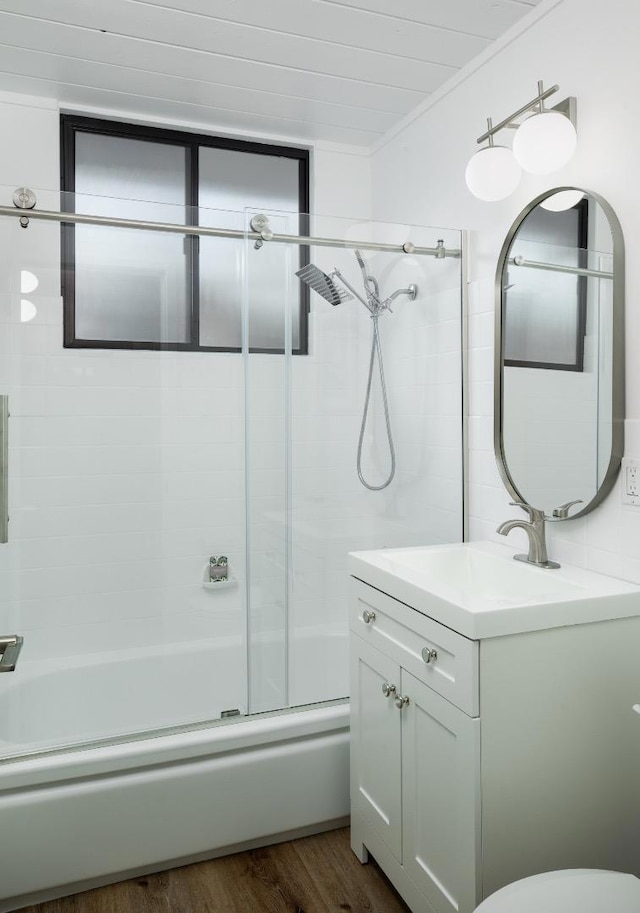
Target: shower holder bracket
{"points": [[24, 198], [10, 647], [260, 225]]}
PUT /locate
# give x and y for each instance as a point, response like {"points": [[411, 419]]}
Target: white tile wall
{"points": [[418, 174], [127, 468]]}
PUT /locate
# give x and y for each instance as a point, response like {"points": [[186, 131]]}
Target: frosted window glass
{"points": [[130, 285], [543, 308], [230, 181]]}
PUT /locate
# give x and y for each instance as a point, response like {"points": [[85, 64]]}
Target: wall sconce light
{"points": [[29, 282], [564, 199], [544, 142]]}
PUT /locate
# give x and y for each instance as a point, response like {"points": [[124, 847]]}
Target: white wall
{"points": [[418, 174]]}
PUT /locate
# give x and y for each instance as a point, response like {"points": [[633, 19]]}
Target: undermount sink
{"points": [[477, 589]]}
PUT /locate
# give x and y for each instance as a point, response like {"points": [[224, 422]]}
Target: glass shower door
{"points": [[274, 328], [125, 474], [305, 418]]}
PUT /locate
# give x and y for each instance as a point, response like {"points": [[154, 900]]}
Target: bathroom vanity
{"points": [[493, 735]]}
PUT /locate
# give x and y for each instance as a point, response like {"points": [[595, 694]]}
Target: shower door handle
{"points": [[9, 651], [4, 469]]}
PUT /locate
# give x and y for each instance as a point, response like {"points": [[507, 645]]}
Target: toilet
{"points": [[567, 891]]}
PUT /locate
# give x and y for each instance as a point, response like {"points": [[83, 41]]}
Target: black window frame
{"points": [[582, 244], [70, 125]]}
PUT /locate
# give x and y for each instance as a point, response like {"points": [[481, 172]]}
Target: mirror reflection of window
{"points": [[545, 311]]}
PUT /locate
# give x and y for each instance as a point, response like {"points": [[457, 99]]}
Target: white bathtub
{"points": [[75, 818], [76, 699], [84, 696]]}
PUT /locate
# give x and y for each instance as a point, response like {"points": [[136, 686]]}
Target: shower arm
{"points": [[411, 291], [338, 275]]}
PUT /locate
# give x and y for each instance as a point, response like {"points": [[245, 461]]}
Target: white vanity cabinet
{"points": [[475, 762], [414, 753]]}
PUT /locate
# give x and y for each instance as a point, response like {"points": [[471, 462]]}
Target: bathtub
{"points": [[83, 697], [74, 818]]}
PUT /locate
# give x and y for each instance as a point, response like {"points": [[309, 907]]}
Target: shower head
{"points": [[370, 282], [324, 285]]}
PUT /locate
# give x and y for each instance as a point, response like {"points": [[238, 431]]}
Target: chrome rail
{"points": [[78, 218], [10, 647], [559, 268]]}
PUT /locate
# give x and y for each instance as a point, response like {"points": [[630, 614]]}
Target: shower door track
{"points": [[77, 218]]}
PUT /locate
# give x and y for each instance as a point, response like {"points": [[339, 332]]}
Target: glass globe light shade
{"points": [[27, 310], [564, 199], [544, 142], [493, 173], [28, 282]]}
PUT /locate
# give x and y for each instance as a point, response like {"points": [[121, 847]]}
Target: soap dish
{"points": [[217, 585]]}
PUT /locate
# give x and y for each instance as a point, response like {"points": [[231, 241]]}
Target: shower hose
{"points": [[376, 351]]}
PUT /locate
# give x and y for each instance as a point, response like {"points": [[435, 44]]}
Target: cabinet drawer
{"points": [[403, 634]]}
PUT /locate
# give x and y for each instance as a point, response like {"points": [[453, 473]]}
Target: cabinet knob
{"points": [[388, 690], [428, 655], [368, 616], [401, 701]]}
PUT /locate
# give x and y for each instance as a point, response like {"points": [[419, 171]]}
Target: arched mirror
{"points": [[559, 362]]}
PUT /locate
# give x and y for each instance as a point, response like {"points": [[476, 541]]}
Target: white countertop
{"points": [[476, 588]]}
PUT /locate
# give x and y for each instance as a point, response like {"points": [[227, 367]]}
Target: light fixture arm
{"points": [[537, 102], [544, 141]]}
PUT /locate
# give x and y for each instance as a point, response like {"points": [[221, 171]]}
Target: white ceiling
{"points": [[336, 70]]}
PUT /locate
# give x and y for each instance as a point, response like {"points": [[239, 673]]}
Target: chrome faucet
{"points": [[535, 531], [562, 512]]}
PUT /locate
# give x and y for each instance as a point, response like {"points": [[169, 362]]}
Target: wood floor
{"points": [[316, 874]]}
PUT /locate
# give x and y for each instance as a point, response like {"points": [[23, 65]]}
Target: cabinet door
{"points": [[375, 743], [441, 799]]}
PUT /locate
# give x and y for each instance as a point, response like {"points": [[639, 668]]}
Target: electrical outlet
{"points": [[631, 481]]}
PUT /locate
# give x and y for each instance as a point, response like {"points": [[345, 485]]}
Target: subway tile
{"points": [[210, 456], [192, 486], [482, 330], [165, 430], [43, 492], [54, 462], [481, 399], [34, 523], [481, 366], [59, 431], [480, 433], [631, 569], [566, 552], [66, 551], [187, 514], [605, 562]]}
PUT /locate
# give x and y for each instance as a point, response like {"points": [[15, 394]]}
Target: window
{"points": [[546, 312], [133, 289]]}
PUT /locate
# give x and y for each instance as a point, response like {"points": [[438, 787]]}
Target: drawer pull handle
{"points": [[388, 690], [428, 655], [401, 701], [368, 616]]}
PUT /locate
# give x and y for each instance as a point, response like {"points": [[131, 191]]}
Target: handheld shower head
{"points": [[360, 260], [368, 281], [324, 285]]}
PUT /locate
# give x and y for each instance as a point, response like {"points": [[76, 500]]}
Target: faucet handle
{"points": [[535, 515], [562, 512]]}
